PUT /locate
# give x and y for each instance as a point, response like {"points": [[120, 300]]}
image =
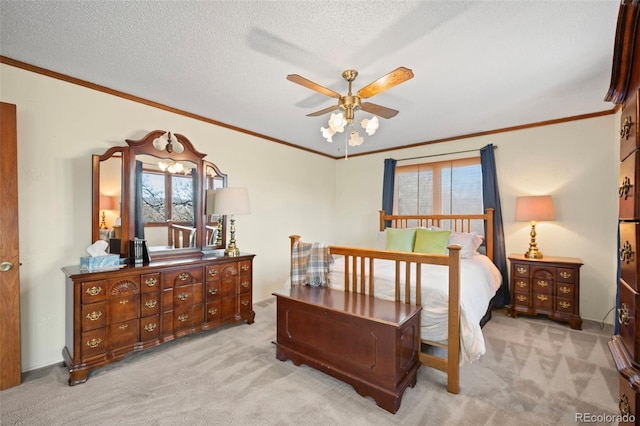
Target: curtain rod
{"points": [[445, 153]]}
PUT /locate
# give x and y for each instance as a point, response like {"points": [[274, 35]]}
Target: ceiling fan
{"points": [[349, 102]]}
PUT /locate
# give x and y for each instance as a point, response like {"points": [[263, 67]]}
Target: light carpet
{"points": [[535, 372]]}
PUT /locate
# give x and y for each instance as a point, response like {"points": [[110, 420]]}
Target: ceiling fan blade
{"points": [[323, 111], [313, 86], [378, 110], [395, 77]]}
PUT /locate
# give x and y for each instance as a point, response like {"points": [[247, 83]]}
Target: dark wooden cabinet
{"points": [[624, 90], [112, 313], [548, 286]]}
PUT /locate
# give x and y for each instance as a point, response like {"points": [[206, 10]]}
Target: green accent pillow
{"points": [[400, 239], [431, 242]]}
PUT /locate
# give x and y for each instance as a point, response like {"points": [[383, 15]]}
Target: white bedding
{"points": [[479, 281]]}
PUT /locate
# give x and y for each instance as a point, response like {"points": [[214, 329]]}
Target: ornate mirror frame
{"points": [[171, 149]]}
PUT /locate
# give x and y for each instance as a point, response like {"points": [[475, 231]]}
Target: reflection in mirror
{"points": [[165, 202], [110, 198], [214, 179]]}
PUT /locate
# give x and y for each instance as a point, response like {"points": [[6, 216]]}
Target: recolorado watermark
{"points": [[604, 418]]}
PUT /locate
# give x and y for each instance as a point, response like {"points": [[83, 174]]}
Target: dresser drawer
{"points": [[150, 282], [182, 296], [245, 304], [565, 305], [628, 253], [629, 140], [566, 290], [628, 190], [627, 403], [229, 286], [245, 267], [123, 309], [93, 343], [149, 328], [213, 272], [213, 311], [93, 291], [245, 284], [123, 334], [149, 304], [567, 275], [94, 316], [542, 281], [228, 307], [124, 286], [543, 301], [183, 318], [627, 317], [183, 276], [521, 270], [213, 290]]}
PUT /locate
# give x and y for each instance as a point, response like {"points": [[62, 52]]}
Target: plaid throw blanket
{"points": [[310, 264]]}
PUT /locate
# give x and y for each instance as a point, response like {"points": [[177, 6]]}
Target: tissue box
{"points": [[110, 261]]}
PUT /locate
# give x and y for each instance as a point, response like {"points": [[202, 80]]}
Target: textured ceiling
{"points": [[478, 65]]}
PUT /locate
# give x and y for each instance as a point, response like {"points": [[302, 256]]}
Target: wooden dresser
{"points": [[549, 286], [112, 313], [625, 83]]}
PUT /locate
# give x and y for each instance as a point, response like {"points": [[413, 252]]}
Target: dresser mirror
{"points": [[156, 189]]}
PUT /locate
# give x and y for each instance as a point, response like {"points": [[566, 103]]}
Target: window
{"points": [[445, 187], [160, 190]]}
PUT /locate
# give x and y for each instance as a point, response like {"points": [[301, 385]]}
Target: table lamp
{"points": [[534, 208]]}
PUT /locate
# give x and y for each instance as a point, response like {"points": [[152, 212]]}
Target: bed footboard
{"points": [[359, 278]]}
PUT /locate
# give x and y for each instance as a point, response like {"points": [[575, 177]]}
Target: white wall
{"points": [[575, 162], [61, 125]]}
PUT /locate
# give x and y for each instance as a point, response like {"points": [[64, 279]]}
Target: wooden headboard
{"points": [[455, 222]]}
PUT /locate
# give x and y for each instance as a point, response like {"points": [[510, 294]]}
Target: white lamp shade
{"points": [[231, 201], [534, 208]]}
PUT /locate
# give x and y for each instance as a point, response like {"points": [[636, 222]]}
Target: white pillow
{"points": [[468, 242]]}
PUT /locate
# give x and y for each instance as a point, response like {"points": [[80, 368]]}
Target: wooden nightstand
{"points": [[549, 286]]}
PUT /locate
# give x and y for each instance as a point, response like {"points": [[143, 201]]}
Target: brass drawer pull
{"points": [[213, 272], [521, 284], [565, 290], [150, 327], [183, 317], [623, 405], [183, 296], [94, 291], [94, 316], [93, 343], [542, 283], [625, 130], [625, 187], [542, 297], [213, 291], [521, 270], [623, 314], [626, 252], [245, 303], [245, 284], [245, 268], [565, 305], [183, 276], [123, 326], [151, 282], [151, 303], [565, 274], [124, 301], [213, 311], [521, 298]]}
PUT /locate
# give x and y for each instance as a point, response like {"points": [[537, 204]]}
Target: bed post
{"points": [[453, 344], [382, 213], [489, 233]]}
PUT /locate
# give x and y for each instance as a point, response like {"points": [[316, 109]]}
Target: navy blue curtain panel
{"points": [[139, 225], [491, 199], [387, 186]]}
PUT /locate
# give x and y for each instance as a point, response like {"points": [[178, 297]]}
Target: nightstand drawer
{"points": [[628, 190], [629, 126], [565, 305], [521, 270], [567, 275], [543, 301], [627, 318]]}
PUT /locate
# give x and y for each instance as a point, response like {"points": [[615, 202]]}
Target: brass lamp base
{"points": [[232, 250], [533, 252]]}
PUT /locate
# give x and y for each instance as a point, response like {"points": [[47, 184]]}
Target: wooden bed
{"points": [[359, 262]]}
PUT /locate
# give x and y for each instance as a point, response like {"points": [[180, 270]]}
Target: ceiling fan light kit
{"points": [[349, 103]]}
